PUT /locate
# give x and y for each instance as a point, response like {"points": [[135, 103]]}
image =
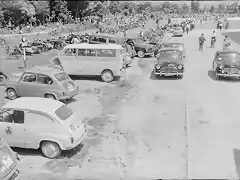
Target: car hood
{"points": [[229, 63]]}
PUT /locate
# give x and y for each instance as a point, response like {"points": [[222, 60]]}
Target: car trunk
{"points": [[8, 160], [66, 82]]}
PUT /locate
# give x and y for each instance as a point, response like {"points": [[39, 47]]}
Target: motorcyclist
{"points": [[213, 39]]}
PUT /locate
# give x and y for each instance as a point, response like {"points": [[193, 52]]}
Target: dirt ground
{"points": [[165, 128]]}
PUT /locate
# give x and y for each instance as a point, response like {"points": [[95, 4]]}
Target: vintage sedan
{"points": [[35, 122], [9, 162], [142, 49], [226, 64], [41, 81], [178, 31], [170, 62]]}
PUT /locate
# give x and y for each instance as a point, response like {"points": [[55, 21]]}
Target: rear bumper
{"points": [[13, 175], [75, 144], [69, 96]]}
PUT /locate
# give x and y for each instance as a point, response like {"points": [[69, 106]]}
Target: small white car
{"points": [[35, 122]]}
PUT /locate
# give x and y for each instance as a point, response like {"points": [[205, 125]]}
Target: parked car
{"points": [[170, 62], [34, 122], [41, 81], [103, 38], [91, 60], [178, 31], [142, 49], [226, 63], [176, 45]]}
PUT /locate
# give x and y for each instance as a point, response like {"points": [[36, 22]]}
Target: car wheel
{"points": [[216, 75], [50, 149], [3, 79], [50, 96], [11, 93], [107, 76], [140, 54]]}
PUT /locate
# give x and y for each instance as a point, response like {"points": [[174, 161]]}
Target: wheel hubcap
{"points": [[107, 76], [50, 150], [11, 94]]}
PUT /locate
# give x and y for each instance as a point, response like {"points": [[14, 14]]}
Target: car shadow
{"points": [[226, 79], [37, 152], [85, 77], [154, 77]]}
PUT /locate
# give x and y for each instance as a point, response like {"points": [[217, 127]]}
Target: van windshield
{"points": [[61, 76], [64, 112]]}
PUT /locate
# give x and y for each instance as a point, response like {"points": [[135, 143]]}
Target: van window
{"points": [[69, 52], [13, 116], [91, 52], [64, 112], [106, 52], [112, 41], [81, 52]]}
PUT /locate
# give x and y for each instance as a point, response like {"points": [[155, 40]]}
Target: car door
{"points": [[27, 85], [87, 61], [68, 59], [13, 128], [44, 84]]}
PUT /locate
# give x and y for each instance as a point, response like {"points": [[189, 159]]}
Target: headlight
{"points": [[180, 66], [221, 66], [158, 66]]}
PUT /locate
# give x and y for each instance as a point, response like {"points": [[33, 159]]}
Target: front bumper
{"points": [[13, 175], [162, 73], [228, 75], [75, 144]]}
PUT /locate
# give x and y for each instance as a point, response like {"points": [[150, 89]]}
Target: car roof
{"points": [[35, 104], [93, 46], [174, 43], [169, 48], [43, 70], [105, 35]]}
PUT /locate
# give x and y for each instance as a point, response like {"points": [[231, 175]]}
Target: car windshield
{"points": [[171, 45], [234, 57], [64, 112], [170, 54], [61, 76]]}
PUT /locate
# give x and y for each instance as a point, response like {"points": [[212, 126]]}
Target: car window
{"points": [[90, 52], [37, 119], [43, 79], [56, 61], [69, 52], [61, 76], [81, 52], [171, 54], [102, 40], [64, 112], [106, 52], [29, 77], [12, 116]]}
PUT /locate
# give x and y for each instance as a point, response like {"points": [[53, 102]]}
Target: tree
{"points": [[212, 9], [195, 6], [185, 8], [42, 9], [61, 10], [77, 8], [221, 8], [114, 7], [175, 8]]}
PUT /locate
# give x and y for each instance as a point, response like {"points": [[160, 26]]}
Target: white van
{"points": [[91, 59]]}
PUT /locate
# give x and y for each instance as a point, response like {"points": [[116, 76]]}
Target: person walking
{"points": [[201, 41], [213, 39], [226, 43]]}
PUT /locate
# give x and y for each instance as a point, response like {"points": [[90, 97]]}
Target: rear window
{"points": [[61, 76], [64, 112]]}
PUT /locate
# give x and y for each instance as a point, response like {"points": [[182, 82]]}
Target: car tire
{"points": [[107, 76], [3, 79], [50, 149], [12, 94], [50, 96], [140, 54]]}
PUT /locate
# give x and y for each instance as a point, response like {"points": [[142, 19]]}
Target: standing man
{"points": [[201, 41], [213, 39]]}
